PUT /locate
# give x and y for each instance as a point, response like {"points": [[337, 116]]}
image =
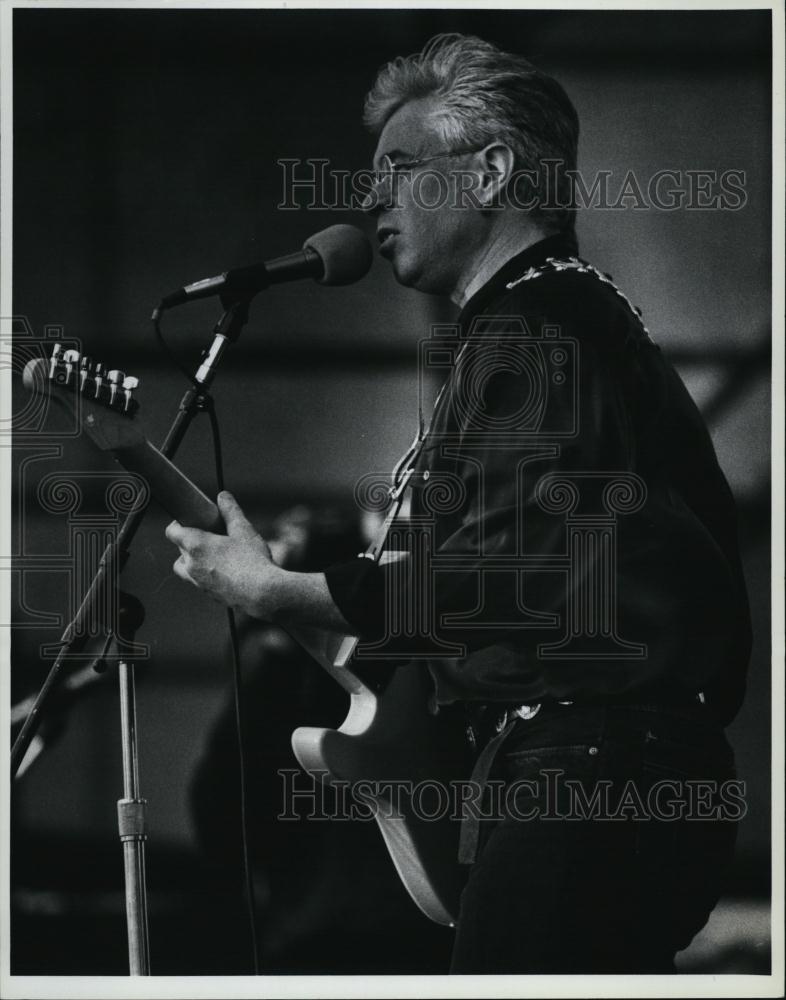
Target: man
{"points": [[582, 578]]}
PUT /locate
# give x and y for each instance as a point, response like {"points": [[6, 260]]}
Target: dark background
{"points": [[145, 149]]}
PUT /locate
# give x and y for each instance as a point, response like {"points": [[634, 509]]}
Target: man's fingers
{"points": [[184, 538], [179, 569], [173, 530], [236, 521]]}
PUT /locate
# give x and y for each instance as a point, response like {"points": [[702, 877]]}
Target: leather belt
{"points": [[490, 724], [486, 719]]}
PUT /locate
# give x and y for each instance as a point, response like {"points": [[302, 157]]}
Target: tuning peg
{"points": [[116, 379], [84, 372], [53, 361], [130, 382], [98, 378], [71, 358]]}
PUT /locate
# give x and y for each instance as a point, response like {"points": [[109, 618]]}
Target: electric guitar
{"points": [[404, 758]]}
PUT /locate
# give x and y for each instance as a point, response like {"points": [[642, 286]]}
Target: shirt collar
{"points": [[559, 245]]}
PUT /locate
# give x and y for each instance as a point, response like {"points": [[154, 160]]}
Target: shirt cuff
{"points": [[358, 591]]}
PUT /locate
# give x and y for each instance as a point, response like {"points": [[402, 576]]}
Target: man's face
{"points": [[427, 234]]}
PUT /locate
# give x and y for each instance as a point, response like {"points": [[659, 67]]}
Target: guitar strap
{"points": [[405, 468]]}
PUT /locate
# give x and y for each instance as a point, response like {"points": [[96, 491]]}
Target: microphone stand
{"points": [[131, 808], [111, 564]]}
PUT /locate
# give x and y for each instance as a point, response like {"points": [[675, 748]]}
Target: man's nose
{"points": [[379, 197]]}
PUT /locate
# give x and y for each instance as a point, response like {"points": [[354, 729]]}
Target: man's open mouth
{"points": [[385, 237]]}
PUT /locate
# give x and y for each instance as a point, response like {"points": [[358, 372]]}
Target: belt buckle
{"points": [[501, 721]]}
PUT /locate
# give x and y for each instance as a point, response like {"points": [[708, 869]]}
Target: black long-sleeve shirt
{"points": [[571, 531]]}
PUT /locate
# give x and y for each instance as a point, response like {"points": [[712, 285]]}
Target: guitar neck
{"points": [[170, 487]]}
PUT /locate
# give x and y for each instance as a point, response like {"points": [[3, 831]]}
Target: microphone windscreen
{"points": [[345, 253]]}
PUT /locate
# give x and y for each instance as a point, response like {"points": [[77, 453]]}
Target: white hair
{"points": [[484, 94]]}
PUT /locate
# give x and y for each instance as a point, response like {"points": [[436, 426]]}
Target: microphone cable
{"points": [[156, 320], [237, 678], [218, 457]]}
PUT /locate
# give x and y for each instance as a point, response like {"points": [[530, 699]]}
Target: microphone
{"points": [[338, 255]]}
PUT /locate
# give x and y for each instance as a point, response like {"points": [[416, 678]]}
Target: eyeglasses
{"points": [[390, 168]]}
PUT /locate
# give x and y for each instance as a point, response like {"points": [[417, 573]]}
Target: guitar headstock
{"points": [[93, 381], [98, 395]]}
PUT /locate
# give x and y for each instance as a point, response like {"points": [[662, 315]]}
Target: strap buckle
{"points": [[527, 711]]}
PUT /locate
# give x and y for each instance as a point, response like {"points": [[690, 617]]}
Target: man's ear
{"points": [[497, 162]]}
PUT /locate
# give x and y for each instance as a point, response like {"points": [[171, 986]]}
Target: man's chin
{"points": [[406, 276], [410, 275]]}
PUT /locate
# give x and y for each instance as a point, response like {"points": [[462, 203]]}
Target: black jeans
{"points": [[610, 832]]}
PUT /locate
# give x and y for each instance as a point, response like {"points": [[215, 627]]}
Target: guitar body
{"points": [[392, 737]]}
